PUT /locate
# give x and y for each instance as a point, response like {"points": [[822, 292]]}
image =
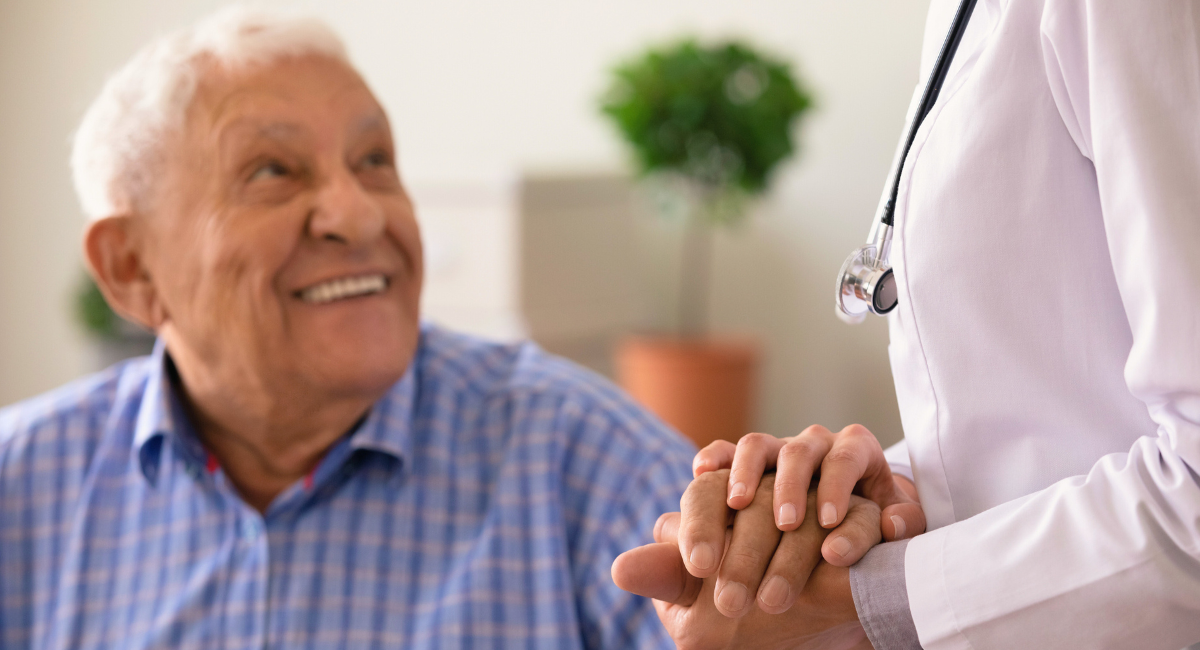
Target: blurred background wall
{"points": [[498, 91]]}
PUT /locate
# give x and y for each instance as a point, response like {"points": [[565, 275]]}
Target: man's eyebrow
{"points": [[257, 129], [236, 136], [280, 130], [369, 123]]}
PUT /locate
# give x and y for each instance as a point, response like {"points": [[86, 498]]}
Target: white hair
{"points": [[121, 136]]}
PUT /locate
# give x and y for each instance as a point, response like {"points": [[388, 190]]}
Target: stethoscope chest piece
{"points": [[865, 284]]}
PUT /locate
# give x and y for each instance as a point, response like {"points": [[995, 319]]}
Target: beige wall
{"points": [[502, 85]]}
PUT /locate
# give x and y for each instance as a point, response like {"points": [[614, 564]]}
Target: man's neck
{"points": [[262, 464], [264, 448]]}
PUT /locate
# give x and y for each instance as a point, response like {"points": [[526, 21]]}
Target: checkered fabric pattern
{"points": [[479, 505]]}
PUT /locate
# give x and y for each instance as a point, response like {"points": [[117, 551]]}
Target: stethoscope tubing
{"points": [[932, 89], [866, 282]]}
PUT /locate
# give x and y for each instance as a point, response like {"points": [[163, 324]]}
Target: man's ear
{"points": [[113, 247]]}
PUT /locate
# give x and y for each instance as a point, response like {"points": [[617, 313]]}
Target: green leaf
{"points": [[721, 115]]}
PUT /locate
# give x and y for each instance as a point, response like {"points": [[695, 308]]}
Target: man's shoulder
{"points": [[523, 372], [489, 368], [71, 417]]}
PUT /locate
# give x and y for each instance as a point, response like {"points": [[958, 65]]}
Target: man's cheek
{"points": [[233, 292], [405, 234]]}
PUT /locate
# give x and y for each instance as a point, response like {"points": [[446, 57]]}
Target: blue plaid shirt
{"points": [[480, 504]]}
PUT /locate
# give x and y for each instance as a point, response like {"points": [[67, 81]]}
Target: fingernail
{"points": [[737, 490], [702, 556], [898, 524], [775, 592], [828, 514], [732, 597], [787, 514], [841, 546]]}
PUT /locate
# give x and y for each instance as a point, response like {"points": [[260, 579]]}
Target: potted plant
{"points": [[707, 126]]}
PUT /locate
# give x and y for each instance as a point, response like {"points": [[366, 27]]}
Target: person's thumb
{"points": [[902, 520], [656, 571]]}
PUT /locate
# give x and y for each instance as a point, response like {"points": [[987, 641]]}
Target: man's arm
{"points": [[621, 469]]}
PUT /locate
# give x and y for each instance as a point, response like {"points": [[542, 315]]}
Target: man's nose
{"points": [[345, 212]]}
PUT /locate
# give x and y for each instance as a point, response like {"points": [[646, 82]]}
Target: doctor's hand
{"points": [[802, 602], [847, 462]]}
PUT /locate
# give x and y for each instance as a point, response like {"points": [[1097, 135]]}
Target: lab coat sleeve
{"points": [[1110, 559]]}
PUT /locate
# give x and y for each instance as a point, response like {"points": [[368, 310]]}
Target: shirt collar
{"points": [[162, 416], [387, 429]]}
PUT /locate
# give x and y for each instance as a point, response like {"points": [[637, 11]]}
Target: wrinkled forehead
{"points": [[315, 97]]}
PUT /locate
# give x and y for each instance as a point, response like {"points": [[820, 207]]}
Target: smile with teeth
{"points": [[343, 288]]}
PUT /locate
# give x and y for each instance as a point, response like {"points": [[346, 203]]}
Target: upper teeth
{"points": [[344, 288]]}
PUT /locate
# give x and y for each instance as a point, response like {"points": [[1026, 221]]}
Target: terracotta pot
{"points": [[702, 387]]}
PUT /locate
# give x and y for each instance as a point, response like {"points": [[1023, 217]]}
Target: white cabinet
{"points": [[572, 261]]}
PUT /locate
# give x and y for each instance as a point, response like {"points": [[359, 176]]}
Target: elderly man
{"points": [[300, 464]]}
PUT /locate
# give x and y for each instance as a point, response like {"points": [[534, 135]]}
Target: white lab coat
{"points": [[1046, 349]]}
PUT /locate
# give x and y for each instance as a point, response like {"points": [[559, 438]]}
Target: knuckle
{"points": [[864, 514], [815, 430], [859, 434], [793, 476], [708, 481], [740, 562], [841, 455], [798, 450], [856, 430], [753, 440], [788, 483], [862, 502]]}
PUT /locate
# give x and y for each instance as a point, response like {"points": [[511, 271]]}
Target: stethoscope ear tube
{"points": [[866, 282], [933, 88]]}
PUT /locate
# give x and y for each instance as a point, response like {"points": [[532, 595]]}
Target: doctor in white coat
{"points": [[1045, 348]]}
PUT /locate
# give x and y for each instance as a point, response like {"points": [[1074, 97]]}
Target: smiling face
{"points": [[280, 242]]}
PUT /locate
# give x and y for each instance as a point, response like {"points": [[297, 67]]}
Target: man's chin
{"points": [[357, 369]]}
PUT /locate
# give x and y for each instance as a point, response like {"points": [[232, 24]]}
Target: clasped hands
{"points": [[760, 560]]}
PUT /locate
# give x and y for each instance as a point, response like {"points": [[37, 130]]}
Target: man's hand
{"points": [[847, 462], [802, 601], [753, 560]]}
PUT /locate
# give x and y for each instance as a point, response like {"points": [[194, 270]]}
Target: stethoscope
{"points": [[866, 282]]}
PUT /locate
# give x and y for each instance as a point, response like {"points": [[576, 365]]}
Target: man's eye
{"points": [[377, 159], [272, 169]]}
